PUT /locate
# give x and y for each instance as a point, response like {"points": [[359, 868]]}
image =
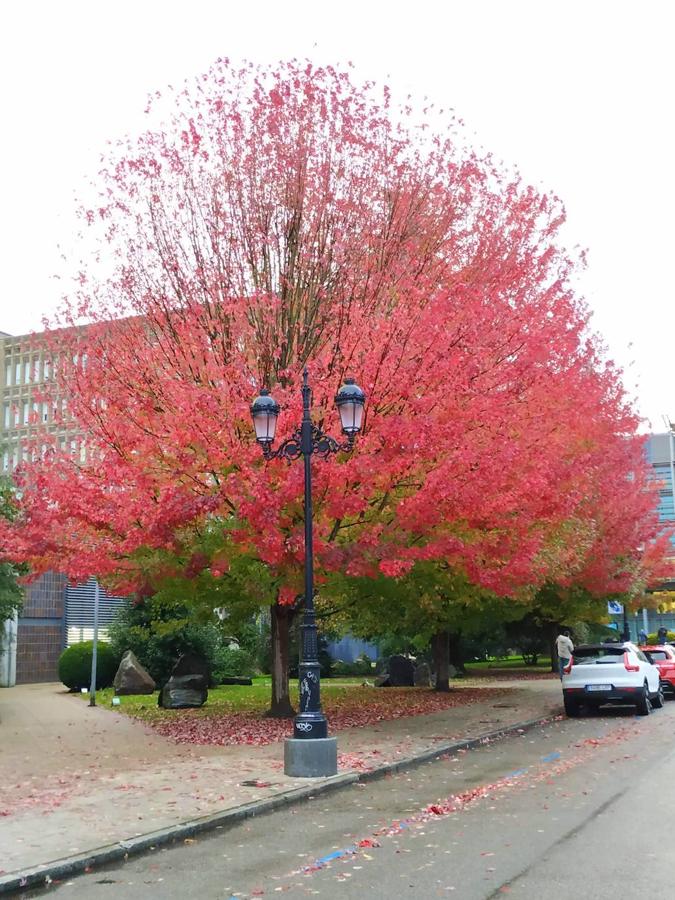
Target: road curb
{"points": [[43, 875]]}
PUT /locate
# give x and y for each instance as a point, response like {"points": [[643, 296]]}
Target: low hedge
{"points": [[75, 665], [653, 638], [363, 666]]}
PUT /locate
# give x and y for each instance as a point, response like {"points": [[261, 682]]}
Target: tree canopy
{"points": [[288, 217]]}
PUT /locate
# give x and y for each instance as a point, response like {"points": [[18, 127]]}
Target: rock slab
{"points": [[401, 671], [188, 686], [131, 677]]}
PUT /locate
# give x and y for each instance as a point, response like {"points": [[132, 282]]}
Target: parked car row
{"points": [[619, 673]]}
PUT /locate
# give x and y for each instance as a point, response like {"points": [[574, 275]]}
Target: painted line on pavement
{"points": [[551, 757]]}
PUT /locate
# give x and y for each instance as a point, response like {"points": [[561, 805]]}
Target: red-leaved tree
{"points": [[288, 217]]}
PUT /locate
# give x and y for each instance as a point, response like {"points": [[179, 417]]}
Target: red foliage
{"points": [[285, 217], [207, 726]]}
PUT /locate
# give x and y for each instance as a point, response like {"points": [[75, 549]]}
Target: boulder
{"points": [[382, 680], [183, 692], [401, 671], [131, 677], [422, 675], [188, 686]]}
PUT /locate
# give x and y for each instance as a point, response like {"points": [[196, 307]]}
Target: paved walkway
{"points": [[74, 778]]}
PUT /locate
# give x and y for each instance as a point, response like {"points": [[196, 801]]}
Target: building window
{"points": [[17, 372], [45, 370], [8, 374], [6, 416], [26, 371], [26, 412], [45, 412], [5, 461]]}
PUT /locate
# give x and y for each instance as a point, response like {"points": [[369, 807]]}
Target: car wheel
{"points": [[572, 708], [643, 705], [658, 700]]}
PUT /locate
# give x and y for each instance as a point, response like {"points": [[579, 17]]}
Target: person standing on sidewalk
{"points": [[564, 648]]}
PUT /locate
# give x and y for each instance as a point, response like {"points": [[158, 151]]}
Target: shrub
{"points": [[75, 665], [158, 635], [652, 638], [231, 662]]}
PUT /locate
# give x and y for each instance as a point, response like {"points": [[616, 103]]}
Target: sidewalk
{"points": [[75, 778]]}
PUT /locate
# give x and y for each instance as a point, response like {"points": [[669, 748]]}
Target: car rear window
{"points": [[658, 654], [587, 656]]}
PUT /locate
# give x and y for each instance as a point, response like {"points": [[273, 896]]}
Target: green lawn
{"points": [[226, 698], [509, 662]]}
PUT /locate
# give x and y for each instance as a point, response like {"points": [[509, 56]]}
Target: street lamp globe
{"points": [[350, 401], [265, 412]]}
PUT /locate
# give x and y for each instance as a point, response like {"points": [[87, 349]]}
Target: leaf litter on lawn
{"points": [[345, 708]]}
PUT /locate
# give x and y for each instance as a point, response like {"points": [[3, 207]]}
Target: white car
{"points": [[611, 673]]}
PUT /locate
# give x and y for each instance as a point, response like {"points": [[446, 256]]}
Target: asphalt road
{"points": [[580, 808]]}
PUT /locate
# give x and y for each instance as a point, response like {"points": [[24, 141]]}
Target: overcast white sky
{"points": [[579, 95]]}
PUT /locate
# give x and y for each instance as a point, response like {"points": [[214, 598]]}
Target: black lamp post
{"points": [[308, 440]]}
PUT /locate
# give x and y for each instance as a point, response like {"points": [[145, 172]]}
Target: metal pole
{"points": [[310, 721], [92, 687], [626, 627]]}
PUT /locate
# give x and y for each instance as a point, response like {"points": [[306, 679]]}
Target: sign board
{"points": [[614, 608]]}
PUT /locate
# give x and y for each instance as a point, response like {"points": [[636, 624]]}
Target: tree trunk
{"points": [[281, 618], [441, 652], [455, 649]]}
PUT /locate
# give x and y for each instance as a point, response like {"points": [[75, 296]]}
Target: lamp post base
{"points": [[310, 757]]}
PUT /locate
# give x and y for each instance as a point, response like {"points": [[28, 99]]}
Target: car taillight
{"points": [[568, 668], [629, 666]]}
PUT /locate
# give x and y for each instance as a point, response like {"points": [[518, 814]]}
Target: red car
{"points": [[663, 657]]}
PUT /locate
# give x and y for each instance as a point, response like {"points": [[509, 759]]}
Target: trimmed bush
{"points": [[75, 665], [652, 638]]}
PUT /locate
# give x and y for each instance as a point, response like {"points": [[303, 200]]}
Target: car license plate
{"points": [[598, 687]]}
